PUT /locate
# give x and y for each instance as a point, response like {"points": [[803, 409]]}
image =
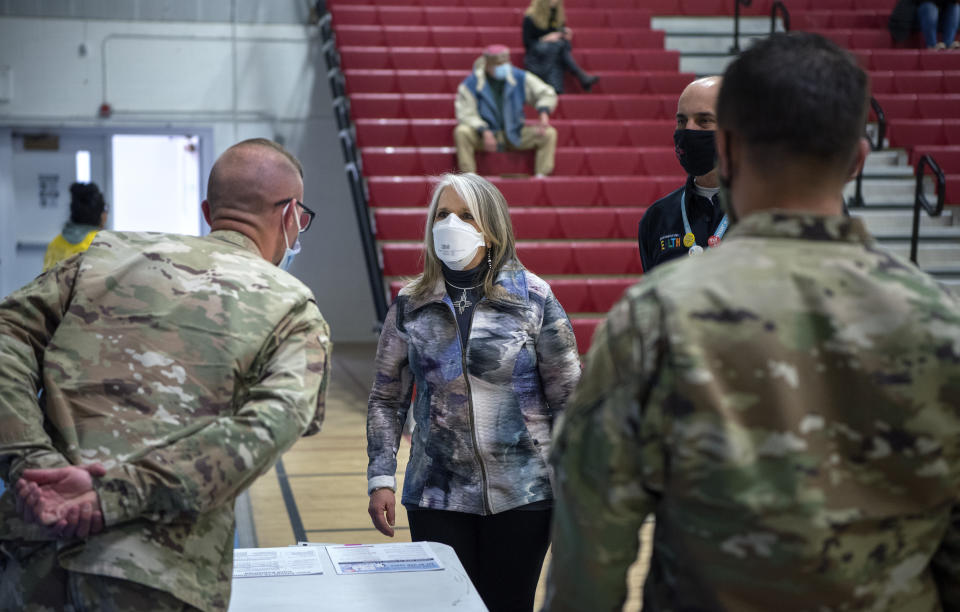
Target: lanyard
{"points": [[689, 240]]}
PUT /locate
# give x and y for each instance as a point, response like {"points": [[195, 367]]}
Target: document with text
{"points": [[287, 561], [375, 558]]}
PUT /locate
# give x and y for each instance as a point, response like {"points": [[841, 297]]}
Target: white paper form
{"points": [[287, 561], [374, 558]]}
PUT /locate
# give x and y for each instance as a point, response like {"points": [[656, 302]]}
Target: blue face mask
{"points": [[291, 252], [501, 71]]}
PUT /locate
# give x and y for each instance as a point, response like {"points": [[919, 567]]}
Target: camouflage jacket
{"points": [[185, 366], [483, 416], [788, 407]]}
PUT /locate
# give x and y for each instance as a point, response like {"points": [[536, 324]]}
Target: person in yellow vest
{"points": [[88, 215]]}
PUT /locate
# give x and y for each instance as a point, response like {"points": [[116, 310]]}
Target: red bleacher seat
{"points": [[448, 17], [951, 131], [520, 192], [702, 7], [895, 59], [402, 259], [912, 132], [398, 191], [547, 257], [571, 191], [897, 106], [400, 223], [573, 294], [589, 295], [630, 190], [607, 257], [583, 329], [832, 5], [947, 157], [946, 106]]}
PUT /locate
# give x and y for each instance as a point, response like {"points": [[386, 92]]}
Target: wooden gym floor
{"points": [[317, 492]]}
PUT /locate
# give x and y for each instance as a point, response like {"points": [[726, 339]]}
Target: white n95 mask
{"points": [[456, 242]]}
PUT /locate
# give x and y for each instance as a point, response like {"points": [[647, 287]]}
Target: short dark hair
{"points": [[86, 204], [795, 95]]}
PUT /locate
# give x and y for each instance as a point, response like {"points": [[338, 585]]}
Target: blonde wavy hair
{"points": [[539, 12], [490, 211]]}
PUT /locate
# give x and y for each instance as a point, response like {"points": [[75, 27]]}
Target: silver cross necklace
{"points": [[463, 303]]}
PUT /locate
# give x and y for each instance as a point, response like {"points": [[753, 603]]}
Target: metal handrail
{"points": [[358, 192], [920, 200], [881, 124], [857, 200], [736, 23], [365, 225], [782, 8]]}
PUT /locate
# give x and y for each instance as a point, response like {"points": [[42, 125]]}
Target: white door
{"points": [[43, 170]]}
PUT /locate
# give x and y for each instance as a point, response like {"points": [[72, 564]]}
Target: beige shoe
{"points": [[955, 45], [940, 46]]}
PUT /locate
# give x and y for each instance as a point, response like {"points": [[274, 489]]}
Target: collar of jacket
{"points": [[511, 279], [802, 226], [480, 71], [237, 239]]}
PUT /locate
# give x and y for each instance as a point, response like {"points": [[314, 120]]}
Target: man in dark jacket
{"points": [[690, 219], [489, 109]]}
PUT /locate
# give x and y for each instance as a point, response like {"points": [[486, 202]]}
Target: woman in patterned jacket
{"points": [[494, 360]]}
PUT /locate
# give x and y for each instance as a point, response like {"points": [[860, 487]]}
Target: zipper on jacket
{"points": [[473, 423]]}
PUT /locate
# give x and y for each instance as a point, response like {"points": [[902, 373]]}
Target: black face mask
{"points": [[696, 150]]}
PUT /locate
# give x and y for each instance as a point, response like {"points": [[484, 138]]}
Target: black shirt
{"points": [[660, 234], [531, 33], [465, 288]]}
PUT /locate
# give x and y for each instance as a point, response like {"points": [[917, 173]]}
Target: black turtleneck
{"points": [[465, 288]]}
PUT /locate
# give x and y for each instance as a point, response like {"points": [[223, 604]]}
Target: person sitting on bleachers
{"points": [[945, 13], [546, 39], [489, 110]]}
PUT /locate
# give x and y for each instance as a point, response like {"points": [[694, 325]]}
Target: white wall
{"points": [[239, 80]]}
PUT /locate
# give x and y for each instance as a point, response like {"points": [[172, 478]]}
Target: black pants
{"points": [[549, 61], [502, 553]]}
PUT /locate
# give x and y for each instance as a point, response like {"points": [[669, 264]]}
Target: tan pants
{"points": [[468, 142]]}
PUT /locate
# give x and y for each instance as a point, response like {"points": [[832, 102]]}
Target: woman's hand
{"points": [[551, 37], [383, 503], [567, 33]]}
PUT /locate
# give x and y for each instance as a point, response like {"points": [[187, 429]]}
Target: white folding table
{"points": [[439, 590]]}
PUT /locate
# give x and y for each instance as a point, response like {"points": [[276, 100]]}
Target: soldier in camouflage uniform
{"points": [[174, 371], [787, 405]]}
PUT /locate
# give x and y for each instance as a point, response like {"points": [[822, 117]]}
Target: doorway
{"points": [[151, 181]]}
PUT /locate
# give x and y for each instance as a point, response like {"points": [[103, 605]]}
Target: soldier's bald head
{"points": [[252, 175]]}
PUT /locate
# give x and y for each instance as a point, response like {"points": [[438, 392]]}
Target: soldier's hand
{"points": [[82, 519], [63, 499], [383, 503]]}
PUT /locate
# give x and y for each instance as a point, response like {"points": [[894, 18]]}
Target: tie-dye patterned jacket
{"points": [[483, 415]]}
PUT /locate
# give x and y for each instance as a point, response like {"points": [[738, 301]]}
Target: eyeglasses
{"points": [[306, 215]]}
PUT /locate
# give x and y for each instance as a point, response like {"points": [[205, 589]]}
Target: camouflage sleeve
{"points": [[558, 360], [945, 564], [388, 405], [221, 457], [28, 319], [602, 454]]}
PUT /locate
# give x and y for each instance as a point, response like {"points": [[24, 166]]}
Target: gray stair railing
{"points": [[857, 200], [780, 7], [736, 23], [920, 200], [353, 166]]}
